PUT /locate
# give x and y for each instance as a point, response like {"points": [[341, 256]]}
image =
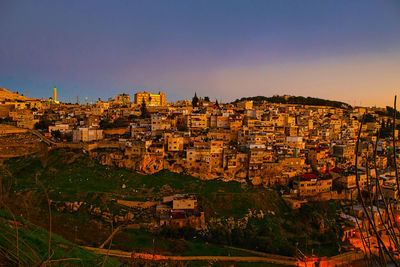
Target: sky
{"points": [[226, 49]]}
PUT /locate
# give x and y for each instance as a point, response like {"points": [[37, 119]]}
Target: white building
{"points": [[85, 134]]}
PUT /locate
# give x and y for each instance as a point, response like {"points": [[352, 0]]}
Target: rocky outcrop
{"points": [[150, 165]]}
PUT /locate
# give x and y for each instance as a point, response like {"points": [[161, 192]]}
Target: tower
{"points": [[55, 94]]}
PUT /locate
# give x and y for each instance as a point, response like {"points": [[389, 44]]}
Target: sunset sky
{"points": [[340, 50]]}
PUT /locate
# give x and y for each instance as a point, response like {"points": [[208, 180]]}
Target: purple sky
{"points": [[342, 50]]}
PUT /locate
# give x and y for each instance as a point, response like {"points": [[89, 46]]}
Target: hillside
{"points": [[7, 95], [237, 214], [72, 176], [29, 246], [301, 100]]}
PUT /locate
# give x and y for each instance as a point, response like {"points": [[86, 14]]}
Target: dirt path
{"points": [[144, 256]]}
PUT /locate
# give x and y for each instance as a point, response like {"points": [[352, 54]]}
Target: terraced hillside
{"points": [[237, 214]]}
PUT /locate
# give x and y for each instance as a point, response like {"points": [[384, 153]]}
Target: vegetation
{"points": [[388, 112], [386, 130], [6, 120], [43, 124], [369, 118], [168, 243], [73, 176], [195, 100], [143, 110], [117, 123], [30, 246], [296, 100], [56, 134], [316, 226]]}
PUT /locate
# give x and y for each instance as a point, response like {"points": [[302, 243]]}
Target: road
{"points": [[339, 260], [123, 254]]}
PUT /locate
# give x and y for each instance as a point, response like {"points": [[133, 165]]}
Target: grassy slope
{"points": [[33, 246], [143, 241], [70, 176]]}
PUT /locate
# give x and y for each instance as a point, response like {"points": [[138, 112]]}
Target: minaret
{"points": [[55, 94]]}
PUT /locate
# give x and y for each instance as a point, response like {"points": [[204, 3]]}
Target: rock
{"points": [[256, 180]]}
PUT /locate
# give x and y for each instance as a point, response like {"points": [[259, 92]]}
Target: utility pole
{"points": [[154, 248]]}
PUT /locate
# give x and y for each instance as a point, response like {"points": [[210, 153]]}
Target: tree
{"points": [[195, 100], [105, 124], [369, 118], [390, 111], [6, 120], [216, 103], [43, 124], [207, 99], [120, 122], [376, 198], [143, 110], [68, 137], [56, 134]]}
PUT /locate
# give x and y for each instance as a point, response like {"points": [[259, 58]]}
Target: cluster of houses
{"points": [[309, 152], [310, 149]]}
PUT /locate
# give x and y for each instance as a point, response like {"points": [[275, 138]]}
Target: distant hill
{"points": [[7, 95], [301, 100]]}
